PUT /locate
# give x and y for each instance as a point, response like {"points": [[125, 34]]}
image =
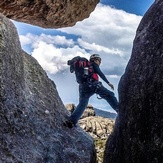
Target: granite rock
{"points": [[31, 111], [48, 13], [138, 131], [97, 127], [89, 111]]}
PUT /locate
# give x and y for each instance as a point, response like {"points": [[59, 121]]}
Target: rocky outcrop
{"points": [[89, 111], [31, 112], [138, 133], [97, 127], [48, 13]]}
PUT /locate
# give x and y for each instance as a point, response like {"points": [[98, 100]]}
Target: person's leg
{"points": [[108, 96], [77, 113], [84, 94]]}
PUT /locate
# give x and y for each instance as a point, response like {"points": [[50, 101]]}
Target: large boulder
{"points": [[89, 111], [32, 113], [48, 13], [138, 131], [97, 127]]}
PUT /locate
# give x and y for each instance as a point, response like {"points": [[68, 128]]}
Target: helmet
{"points": [[94, 56]]}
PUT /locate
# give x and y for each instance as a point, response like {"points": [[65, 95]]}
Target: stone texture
{"points": [[138, 132], [89, 111], [48, 13], [31, 112], [97, 127]]}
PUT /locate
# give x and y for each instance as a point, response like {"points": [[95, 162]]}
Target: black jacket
{"points": [[99, 72]]}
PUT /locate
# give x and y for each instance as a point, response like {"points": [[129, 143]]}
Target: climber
{"points": [[90, 87]]}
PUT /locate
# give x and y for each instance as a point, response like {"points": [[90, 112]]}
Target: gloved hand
{"points": [[111, 86]]}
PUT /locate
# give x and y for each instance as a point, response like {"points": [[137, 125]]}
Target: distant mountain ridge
{"points": [[105, 114]]}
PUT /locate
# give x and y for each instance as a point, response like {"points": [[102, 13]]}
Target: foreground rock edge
{"points": [[32, 113]]}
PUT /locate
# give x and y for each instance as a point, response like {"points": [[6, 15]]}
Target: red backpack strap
{"points": [[95, 76]]}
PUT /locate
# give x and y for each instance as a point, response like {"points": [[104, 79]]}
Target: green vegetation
{"points": [[100, 147]]}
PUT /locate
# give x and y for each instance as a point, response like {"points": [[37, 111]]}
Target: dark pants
{"points": [[85, 92]]}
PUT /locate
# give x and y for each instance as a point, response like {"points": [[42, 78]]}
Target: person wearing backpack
{"points": [[90, 85]]}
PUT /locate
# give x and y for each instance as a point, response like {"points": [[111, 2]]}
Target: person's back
{"points": [[83, 69]]}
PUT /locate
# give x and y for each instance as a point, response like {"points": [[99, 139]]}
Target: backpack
{"points": [[82, 68]]}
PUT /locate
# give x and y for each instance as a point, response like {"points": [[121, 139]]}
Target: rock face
{"points": [[89, 111], [31, 112], [138, 133], [48, 13], [97, 127]]}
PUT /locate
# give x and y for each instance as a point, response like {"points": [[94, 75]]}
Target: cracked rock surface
{"points": [[48, 13]]}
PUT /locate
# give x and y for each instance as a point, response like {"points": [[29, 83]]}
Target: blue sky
{"points": [[109, 31], [138, 7]]}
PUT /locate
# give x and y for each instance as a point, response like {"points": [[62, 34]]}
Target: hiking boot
{"points": [[69, 124]]}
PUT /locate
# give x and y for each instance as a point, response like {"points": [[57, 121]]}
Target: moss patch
{"points": [[100, 147]]}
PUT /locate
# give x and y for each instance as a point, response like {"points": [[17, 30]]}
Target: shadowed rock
{"points": [[48, 13], [32, 113], [138, 132]]}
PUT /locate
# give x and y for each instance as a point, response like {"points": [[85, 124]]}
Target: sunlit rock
{"points": [[48, 13]]}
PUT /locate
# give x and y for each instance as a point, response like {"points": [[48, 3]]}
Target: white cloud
{"points": [[107, 27], [54, 59], [108, 31], [34, 40], [114, 76], [99, 48]]}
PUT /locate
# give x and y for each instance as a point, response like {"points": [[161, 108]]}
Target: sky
{"points": [[109, 31]]}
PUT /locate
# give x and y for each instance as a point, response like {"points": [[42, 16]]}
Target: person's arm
{"points": [[100, 73]]}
